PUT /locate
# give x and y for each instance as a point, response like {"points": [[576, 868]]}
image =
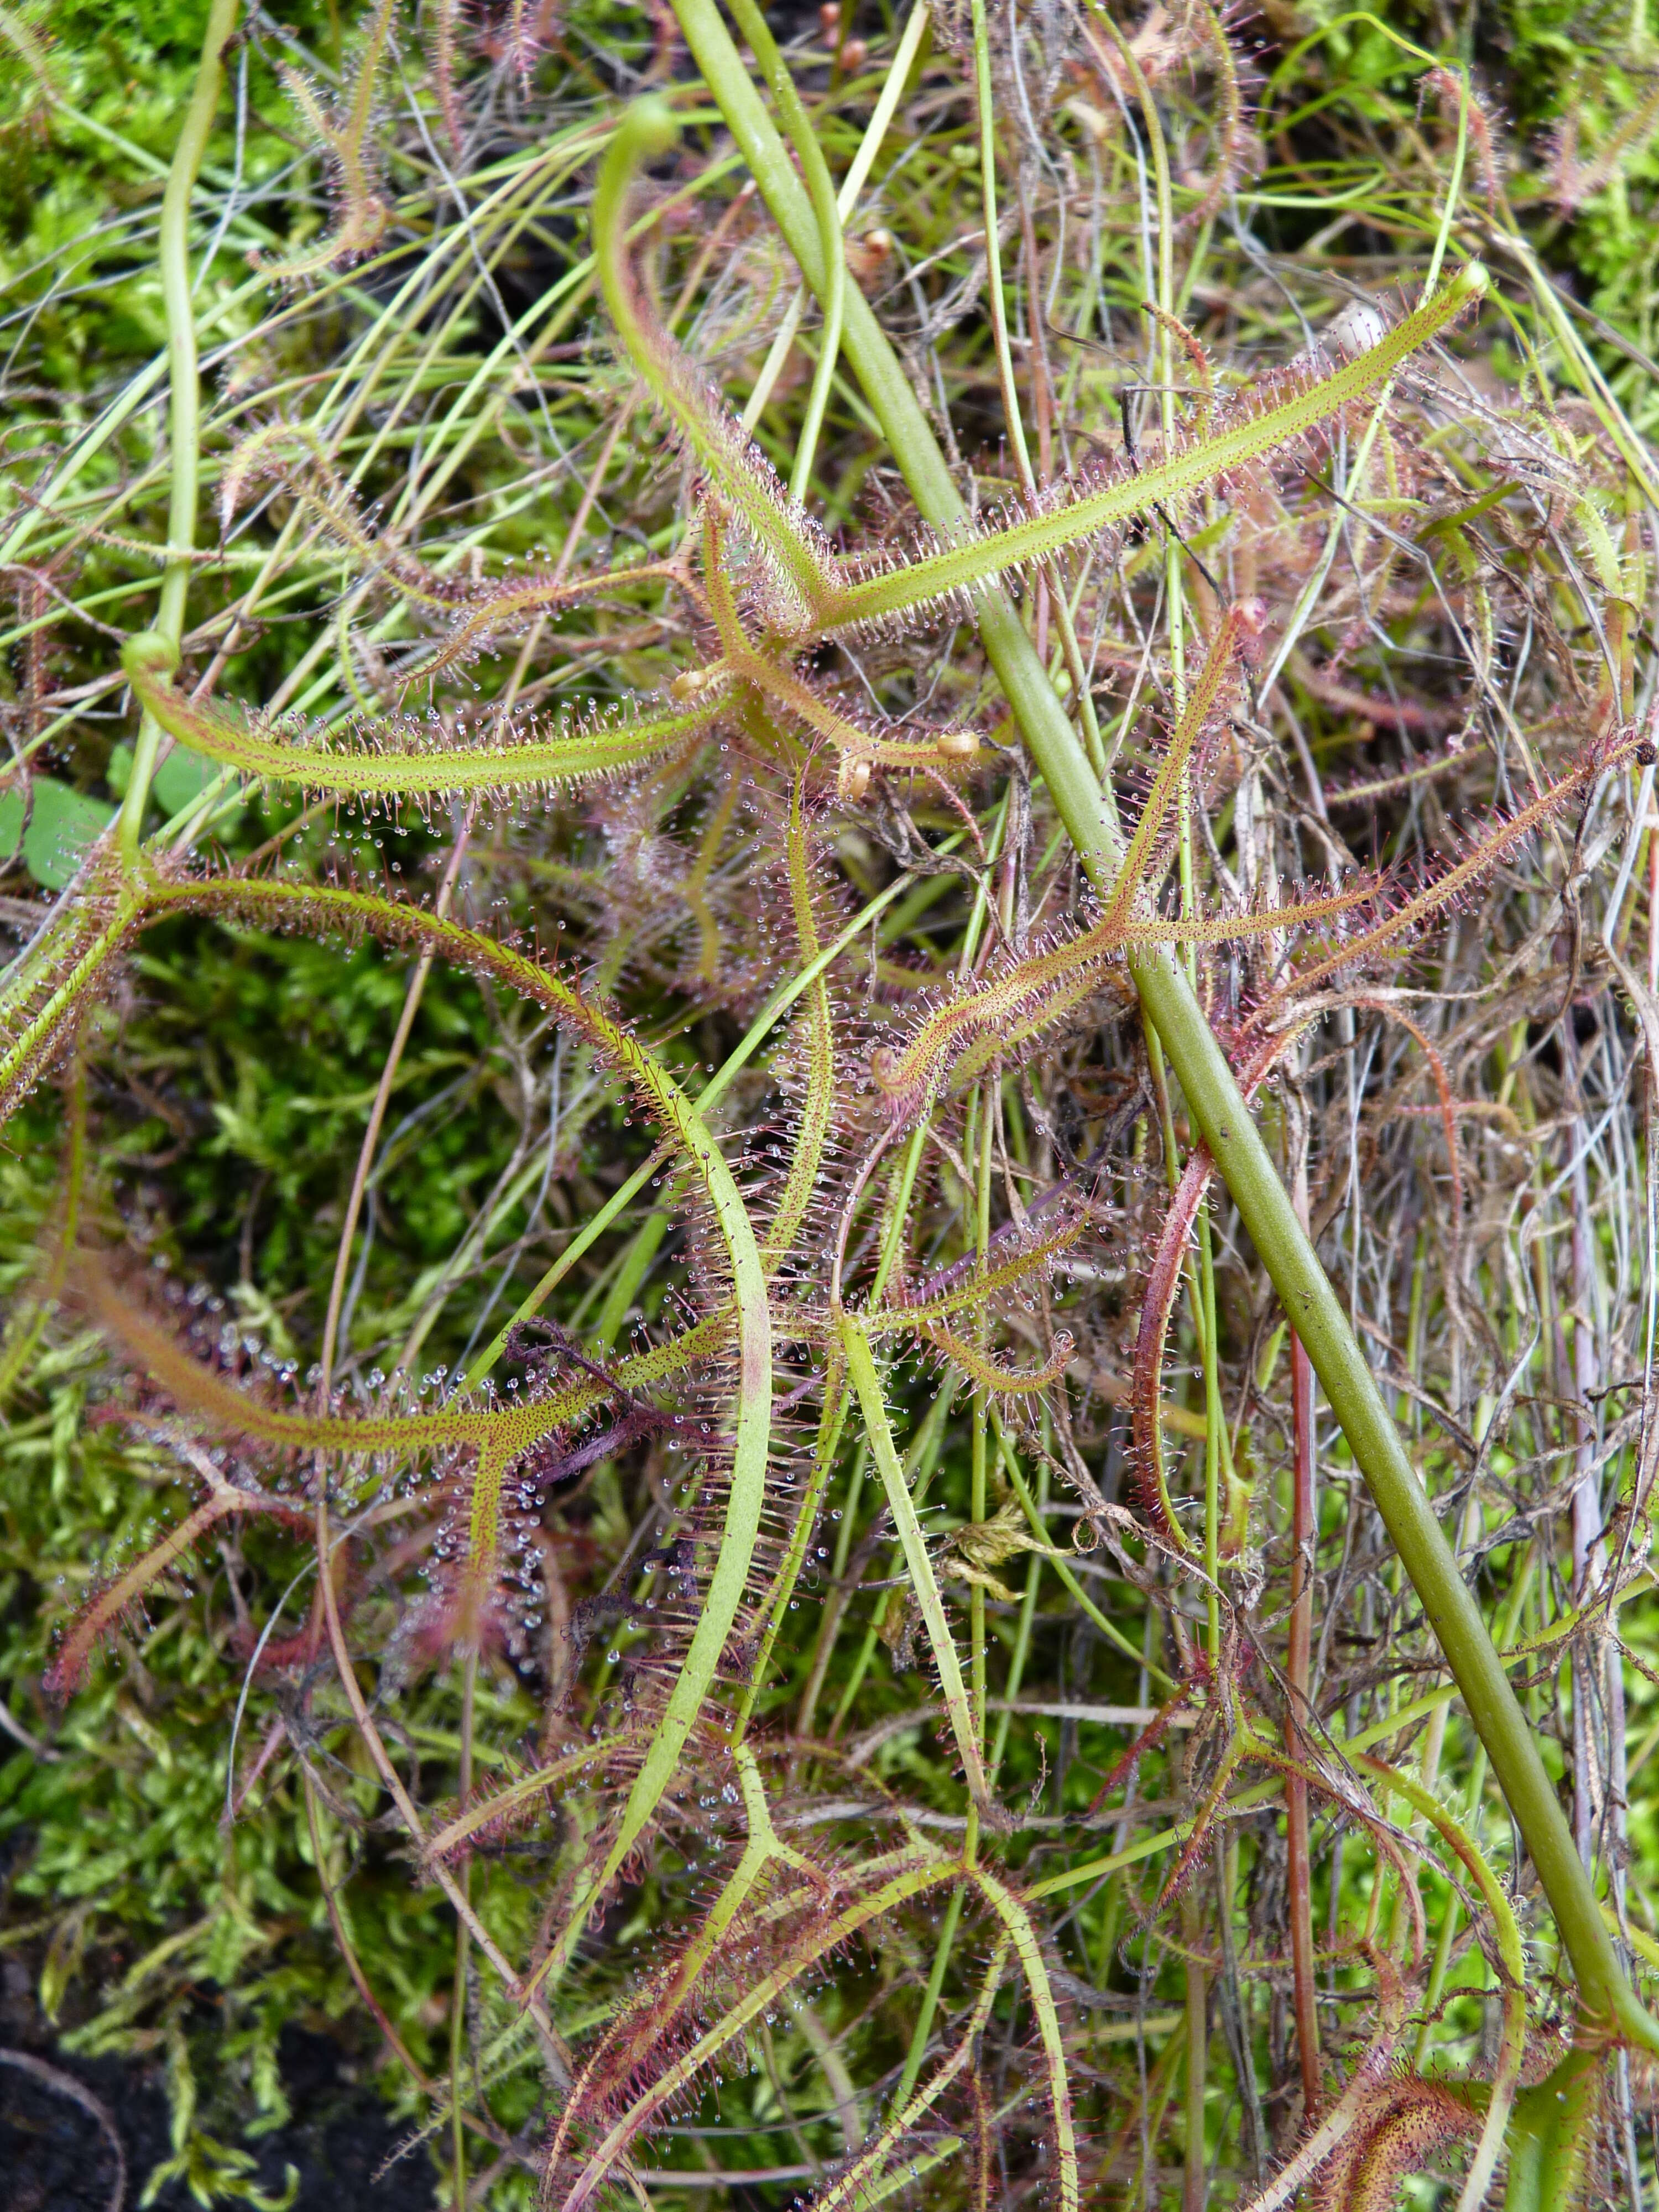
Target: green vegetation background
{"points": [[149, 1928]]}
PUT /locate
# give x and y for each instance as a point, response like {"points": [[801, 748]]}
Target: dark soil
{"points": [[55, 2156]]}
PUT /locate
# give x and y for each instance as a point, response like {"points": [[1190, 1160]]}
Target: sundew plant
{"points": [[830, 1037]]}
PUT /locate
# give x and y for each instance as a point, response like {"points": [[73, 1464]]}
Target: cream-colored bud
{"points": [[1359, 328]]}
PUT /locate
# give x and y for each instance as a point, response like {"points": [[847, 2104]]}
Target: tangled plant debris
{"points": [[831, 1052]]}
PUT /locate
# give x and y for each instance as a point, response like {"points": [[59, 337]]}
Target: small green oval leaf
{"points": [[63, 823], [181, 779]]}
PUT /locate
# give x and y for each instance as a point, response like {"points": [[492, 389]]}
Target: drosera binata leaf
{"points": [[364, 215], [864, 741], [651, 2022], [969, 1030], [296, 905], [304, 906], [1480, 856], [811, 593], [959, 1038], [1084, 508], [407, 758]]}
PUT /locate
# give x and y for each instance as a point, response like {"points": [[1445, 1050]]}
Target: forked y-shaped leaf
{"points": [[1481, 857], [821, 1939], [972, 1292], [972, 1030], [651, 2022], [299, 906], [813, 593], [860, 2184]]}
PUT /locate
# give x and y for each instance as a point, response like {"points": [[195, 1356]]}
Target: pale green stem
{"points": [[1213, 1093], [185, 414]]}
